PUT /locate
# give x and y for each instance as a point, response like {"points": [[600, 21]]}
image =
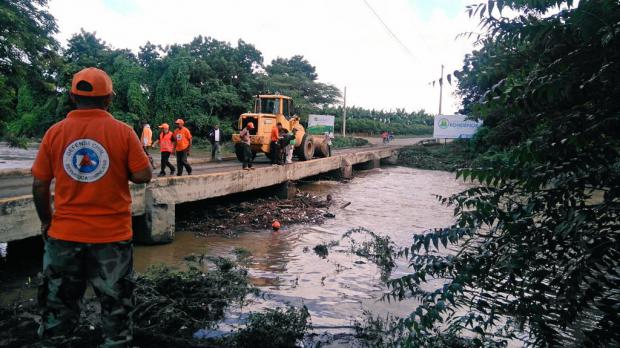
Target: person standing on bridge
{"points": [[88, 237], [147, 135], [215, 137], [166, 146], [183, 140], [274, 146], [246, 147]]}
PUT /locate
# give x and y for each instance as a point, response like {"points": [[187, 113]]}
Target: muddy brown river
{"points": [[393, 201]]}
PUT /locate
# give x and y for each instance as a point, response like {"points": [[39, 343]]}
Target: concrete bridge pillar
{"points": [[286, 190], [157, 225], [374, 162], [346, 169], [392, 160]]}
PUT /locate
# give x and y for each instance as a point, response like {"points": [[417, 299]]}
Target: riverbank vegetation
{"points": [[533, 254], [340, 142], [174, 308], [449, 157]]}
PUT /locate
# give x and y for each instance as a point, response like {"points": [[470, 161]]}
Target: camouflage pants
{"points": [[67, 268]]}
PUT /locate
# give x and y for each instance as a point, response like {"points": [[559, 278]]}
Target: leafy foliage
{"points": [[372, 122], [340, 142], [534, 251], [277, 328], [449, 157], [180, 302]]}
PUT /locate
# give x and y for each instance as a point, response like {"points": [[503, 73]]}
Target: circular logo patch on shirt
{"points": [[85, 160]]}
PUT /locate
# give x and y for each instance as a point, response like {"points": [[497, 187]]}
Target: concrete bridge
{"points": [[154, 204]]}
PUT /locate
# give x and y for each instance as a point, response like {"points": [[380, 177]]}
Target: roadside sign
{"points": [[454, 127], [319, 124]]}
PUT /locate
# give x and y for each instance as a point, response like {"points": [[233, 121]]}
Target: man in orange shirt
{"points": [[274, 146], [183, 139], [92, 156]]}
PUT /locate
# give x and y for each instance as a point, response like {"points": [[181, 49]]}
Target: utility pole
{"points": [[344, 113], [440, 89]]}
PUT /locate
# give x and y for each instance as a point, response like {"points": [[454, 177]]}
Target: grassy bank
{"points": [[448, 157], [345, 142]]}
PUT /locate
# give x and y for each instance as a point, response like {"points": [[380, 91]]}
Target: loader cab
{"points": [[274, 105]]}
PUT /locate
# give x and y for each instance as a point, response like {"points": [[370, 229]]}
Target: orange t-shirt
{"points": [[147, 136], [90, 154], [275, 135], [182, 137]]}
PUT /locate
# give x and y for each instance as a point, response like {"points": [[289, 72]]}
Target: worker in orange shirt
{"points": [[92, 156], [146, 138], [166, 146], [183, 140], [274, 146], [147, 135]]}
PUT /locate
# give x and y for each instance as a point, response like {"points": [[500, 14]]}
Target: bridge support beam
{"points": [[346, 169], [286, 190], [158, 224], [392, 160], [373, 163]]}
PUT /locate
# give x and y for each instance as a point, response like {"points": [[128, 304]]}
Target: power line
{"points": [[389, 30]]}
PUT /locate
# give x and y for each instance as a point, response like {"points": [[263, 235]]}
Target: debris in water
{"points": [[323, 249], [329, 215], [259, 214], [345, 205]]}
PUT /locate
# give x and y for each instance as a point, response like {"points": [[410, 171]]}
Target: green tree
{"points": [[296, 77], [538, 236], [28, 61]]}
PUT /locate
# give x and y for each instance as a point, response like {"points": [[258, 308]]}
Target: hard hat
{"points": [[179, 121], [250, 125], [164, 126], [91, 82], [275, 225]]}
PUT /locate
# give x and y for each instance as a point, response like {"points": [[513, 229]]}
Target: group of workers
{"points": [[179, 141], [281, 145]]}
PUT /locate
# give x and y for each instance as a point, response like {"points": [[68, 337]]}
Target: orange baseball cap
{"points": [[164, 125], [179, 121], [250, 125], [91, 82]]}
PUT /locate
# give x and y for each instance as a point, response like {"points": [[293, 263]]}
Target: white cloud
{"points": [[342, 38]]}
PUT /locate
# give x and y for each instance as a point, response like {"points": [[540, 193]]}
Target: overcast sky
{"points": [[343, 38]]}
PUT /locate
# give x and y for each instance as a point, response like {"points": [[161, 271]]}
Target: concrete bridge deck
{"points": [[154, 203]]}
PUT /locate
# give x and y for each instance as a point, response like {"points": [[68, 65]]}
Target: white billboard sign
{"points": [[454, 127], [319, 124]]}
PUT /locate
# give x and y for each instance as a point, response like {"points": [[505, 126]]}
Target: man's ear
{"points": [[107, 101]]}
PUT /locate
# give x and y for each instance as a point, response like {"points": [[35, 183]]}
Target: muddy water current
{"points": [[393, 201]]}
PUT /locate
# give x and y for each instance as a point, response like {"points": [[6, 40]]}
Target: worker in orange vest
{"points": [[166, 146]]}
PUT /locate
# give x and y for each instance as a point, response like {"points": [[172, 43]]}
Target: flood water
{"points": [[394, 201]]}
